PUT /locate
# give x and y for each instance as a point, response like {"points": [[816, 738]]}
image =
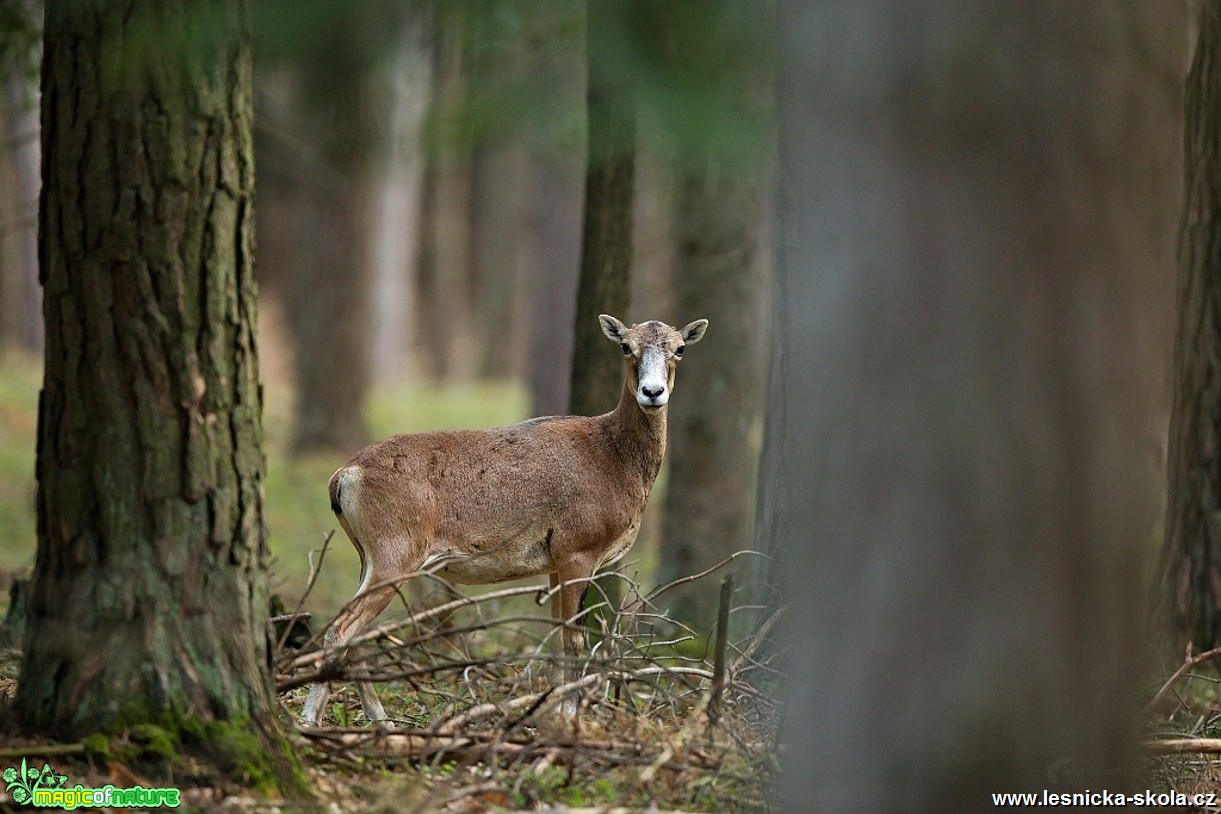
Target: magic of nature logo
{"points": [[47, 788]]}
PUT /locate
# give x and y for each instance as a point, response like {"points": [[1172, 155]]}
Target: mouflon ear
{"points": [[613, 328], [695, 331]]}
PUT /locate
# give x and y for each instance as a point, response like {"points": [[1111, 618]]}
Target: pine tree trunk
{"points": [[606, 249], [1191, 569], [149, 595]]}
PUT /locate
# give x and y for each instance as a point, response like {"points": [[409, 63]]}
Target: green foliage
{"points": [[699, 69], [153, 740]]}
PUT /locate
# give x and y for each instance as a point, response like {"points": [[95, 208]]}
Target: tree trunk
{"points": [[553, 251], [497, 214], [342, 89], [1191, 568], [714, 421], [654, 234], [555, 183], [446, 251], [20, 292], [606, 249], [395, 309], [975, 251], [149, 596], [329, 311]]}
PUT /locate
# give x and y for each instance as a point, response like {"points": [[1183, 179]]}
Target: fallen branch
{"points": [[43, 750], [1183, 746], [661, 589], [448, 726], [1187, 665], [421, 744]]}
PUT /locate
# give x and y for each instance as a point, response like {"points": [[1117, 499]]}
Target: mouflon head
{"points": [[652, 350]]}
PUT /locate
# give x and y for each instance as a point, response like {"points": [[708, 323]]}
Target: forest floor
{"points": [[478, 729]]}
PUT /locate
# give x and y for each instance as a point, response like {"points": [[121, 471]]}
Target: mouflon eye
{"points": [[627, 349], [678, 351]]}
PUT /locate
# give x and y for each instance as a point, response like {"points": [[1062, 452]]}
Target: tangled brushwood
{"points": [[668, 715]]}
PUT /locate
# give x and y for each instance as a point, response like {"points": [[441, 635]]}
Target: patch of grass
{"points": [[20, 379]]}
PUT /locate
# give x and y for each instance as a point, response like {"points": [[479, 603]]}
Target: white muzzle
{"points": [[653, 391]]}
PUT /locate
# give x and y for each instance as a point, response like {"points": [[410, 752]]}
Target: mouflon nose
{"points": [[652, 392]]}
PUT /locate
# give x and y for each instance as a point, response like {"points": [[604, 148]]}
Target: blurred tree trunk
{"points": [[606, 247], [498, 201], [1191, 569], [721, 265], [342, 88], [453, 254], [556, 185], [149, 596], [20, 293], [395, 311], [553, 251], [654, 233], [975, 257], [328, 309], [447, 249], [714, 420], [497, 216], [606, 239], [8, 206]]}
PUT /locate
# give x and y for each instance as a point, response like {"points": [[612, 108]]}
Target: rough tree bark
{"points": [[976, 247], [606, 248], [1191, 563], [149, 597]]}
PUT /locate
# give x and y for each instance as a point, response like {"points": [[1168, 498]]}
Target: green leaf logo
{"points": [[22, 783]]}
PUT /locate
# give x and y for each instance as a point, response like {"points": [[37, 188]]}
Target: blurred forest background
{"points": [[421, 182]]}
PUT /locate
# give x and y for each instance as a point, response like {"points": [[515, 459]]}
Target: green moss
{"points": [[240, 748], [154, 741], [259, 758], [97, 745]]}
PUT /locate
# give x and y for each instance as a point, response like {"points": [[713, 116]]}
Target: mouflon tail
{"points": [[334, 489]]}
